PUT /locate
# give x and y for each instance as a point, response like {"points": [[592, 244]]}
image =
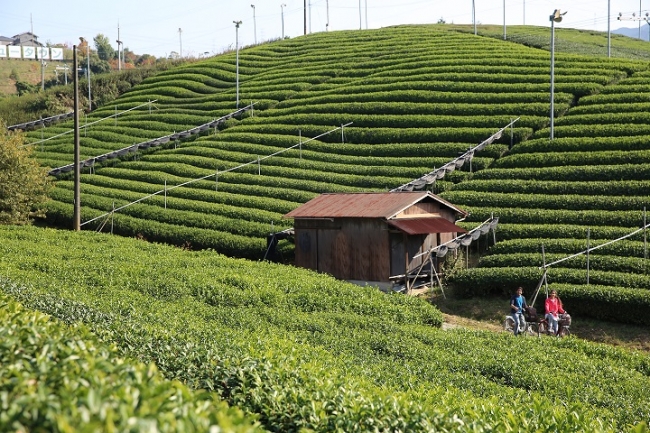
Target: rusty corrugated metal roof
{"points": [[364, 205], [419, 226]]}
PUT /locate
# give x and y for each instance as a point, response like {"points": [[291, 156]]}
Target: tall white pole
{"points": [[76, 217], [474, 15], [524, 12], [639, 19], [43, 64], [327, 7], [609, 33], [254, 24], [90, 101], [180, 40], [504, 20], [282, 6], [309, 10], [360, 23], [119, 42], [237, 23], [552, 73]]}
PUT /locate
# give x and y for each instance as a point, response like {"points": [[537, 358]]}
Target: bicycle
{"points": [[563, 326], [530, 327]]}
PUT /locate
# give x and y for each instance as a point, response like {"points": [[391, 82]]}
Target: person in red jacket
{"points": [[553, 307]]}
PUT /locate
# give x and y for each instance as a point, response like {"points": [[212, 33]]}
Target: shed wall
{"points": [[347, 248]]}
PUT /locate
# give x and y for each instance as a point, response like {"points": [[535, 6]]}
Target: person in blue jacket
{"points": [[517, 305]]}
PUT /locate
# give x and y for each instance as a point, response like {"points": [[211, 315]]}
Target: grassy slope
{"points": [[417, 96], [27, 70], [303, 350]]}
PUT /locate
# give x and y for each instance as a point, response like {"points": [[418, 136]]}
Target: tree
{"points": [[24, 184], [104, 49]]}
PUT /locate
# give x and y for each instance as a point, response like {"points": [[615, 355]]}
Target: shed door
{"points": [[415, 244], [307, 249], [397, 259]]}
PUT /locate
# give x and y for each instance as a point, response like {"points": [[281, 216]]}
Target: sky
{"points": [[199, 28]]}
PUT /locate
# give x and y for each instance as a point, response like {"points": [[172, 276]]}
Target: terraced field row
{"points": [[302, 350], [409, 115], [591, 179], [67, 377]]}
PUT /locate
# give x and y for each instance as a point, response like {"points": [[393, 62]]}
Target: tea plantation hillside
{"points": [[60, 378], [291, 347], [372, 110]]}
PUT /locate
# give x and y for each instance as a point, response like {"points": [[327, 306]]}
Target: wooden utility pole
{"points": [[77, 170]]}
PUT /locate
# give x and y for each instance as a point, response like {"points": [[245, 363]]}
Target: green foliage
{"points": [[416, 97], [23, 182], [59, 378], [544, 201], [301, 350], [24, 88], [103, 46]]}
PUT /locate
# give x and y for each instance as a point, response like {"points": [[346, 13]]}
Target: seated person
{"points": [[517, 305], [553, 307]]}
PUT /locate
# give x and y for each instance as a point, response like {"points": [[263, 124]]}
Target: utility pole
{"points": [[76, 220], [90, 101], [180, 40], [309, 16], [609, 33], [556, 17], [327, 6], [504, 20], [282, 6], [43, 65], [119, 44], [237, 23], [305, 14], [360, 22], [474, 15], [254, 24]]}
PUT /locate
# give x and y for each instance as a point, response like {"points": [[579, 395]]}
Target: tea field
{"points": [[295, 349], [357, 111], [369, 111]]}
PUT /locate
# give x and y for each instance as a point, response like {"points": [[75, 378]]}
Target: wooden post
{"points": [[165, 193], [406, 263], [588, 236], [545, 270], [645, 241]]}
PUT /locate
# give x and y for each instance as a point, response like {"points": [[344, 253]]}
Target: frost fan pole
{"points": [[77, 170]]}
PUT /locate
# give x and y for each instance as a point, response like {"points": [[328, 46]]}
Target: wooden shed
{"points": [[371, 237]]}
